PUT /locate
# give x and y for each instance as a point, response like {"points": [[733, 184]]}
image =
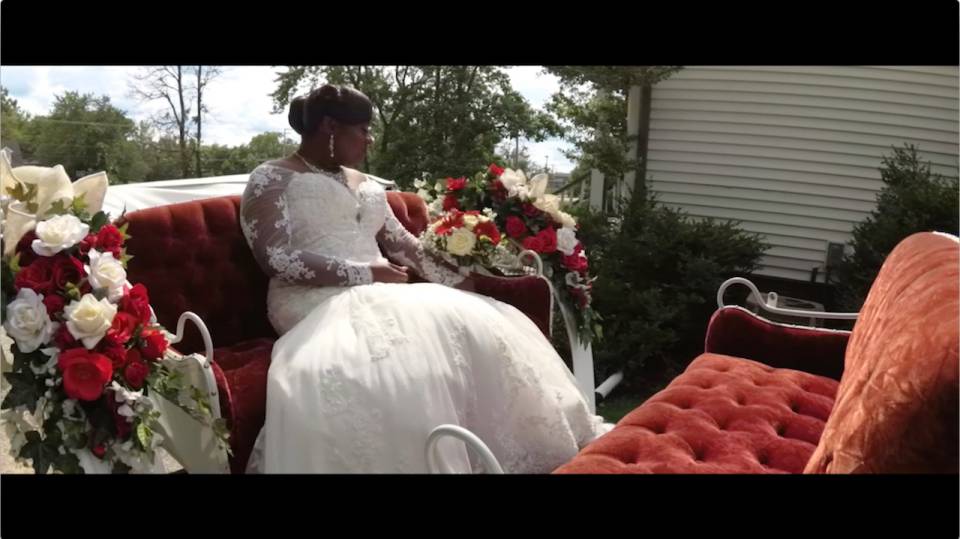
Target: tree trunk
{"points": [[199, 118], [184, 158]]}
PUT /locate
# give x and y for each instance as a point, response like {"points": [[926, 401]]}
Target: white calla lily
{"points": [[53, 185]]}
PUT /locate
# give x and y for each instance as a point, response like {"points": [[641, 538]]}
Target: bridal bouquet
{"points": [[532, 220], [81, 349], [464, 238]]}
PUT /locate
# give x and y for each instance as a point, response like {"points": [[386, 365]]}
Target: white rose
{"points": [[106, 272], [567, 220], [88, 319], [28, 322], [58, 233], [424, 194], [550, 205], [470, 221], [461, 242], [566, 241]]}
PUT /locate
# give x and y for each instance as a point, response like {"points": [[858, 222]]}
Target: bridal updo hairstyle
{"points": [[341, 103]]}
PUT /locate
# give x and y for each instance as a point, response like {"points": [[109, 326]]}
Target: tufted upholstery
{"points": [[895, 408], [722, 415], [192, 256]]}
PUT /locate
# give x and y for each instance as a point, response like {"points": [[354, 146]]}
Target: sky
{"points": [[239, 101]]}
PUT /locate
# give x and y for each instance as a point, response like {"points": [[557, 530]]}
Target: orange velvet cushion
{"points": [[896, 409], [722, 415]]}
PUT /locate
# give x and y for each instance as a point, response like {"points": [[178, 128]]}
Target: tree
{"points": [[913, 199], [593, 101], [86, 134], [174, 85], [203, 79], [13, 121], [446, 120]]}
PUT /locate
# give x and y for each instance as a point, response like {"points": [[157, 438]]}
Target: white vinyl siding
{"points": [[793, 152]]}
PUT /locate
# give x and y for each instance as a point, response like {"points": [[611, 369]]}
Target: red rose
{"points": [[450, 203], [99, 450], [456, 184], [109, 239], [515, 227], [136, 302], [153, 344], [548, 239], [499, 191], [25, 248], [63, 338], [38, 276], [530, 210], [533, 243], [90, 242], [575, 262], [489, 230], [495, 170], [124, 324], [84, 373], [117, 353], [135, 373], [67, 269], [120, 422], [54, 304]]}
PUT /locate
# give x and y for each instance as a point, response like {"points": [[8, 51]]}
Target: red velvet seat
{"points": [[768, 398], [722, 415], [192, 256]]}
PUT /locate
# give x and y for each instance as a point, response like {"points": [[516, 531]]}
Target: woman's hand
{"points": [[388, 272]]}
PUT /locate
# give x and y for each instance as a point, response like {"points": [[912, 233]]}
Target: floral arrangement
{"points": [[82, 351], [532, 220]]}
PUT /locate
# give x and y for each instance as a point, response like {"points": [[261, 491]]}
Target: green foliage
{"points": [[436, 119], [913, 199], [657, 274]]}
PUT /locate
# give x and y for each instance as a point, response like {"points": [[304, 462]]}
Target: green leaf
{"points": [[23, 391], [98, 221], [42, 453], [123, 230], [79, 206], [25, 193], [58, 208], [68, 463], [14, 263], [144, 435]]}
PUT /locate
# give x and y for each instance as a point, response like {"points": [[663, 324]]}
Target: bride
{"points": [[367, 365]]}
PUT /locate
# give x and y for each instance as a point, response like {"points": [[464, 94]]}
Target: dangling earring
{"points": [[332, 157]]}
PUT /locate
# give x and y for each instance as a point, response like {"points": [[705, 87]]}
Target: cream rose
{"points": [[471, 221], [106, 272], [88, 319], [566, 241], [58, 233], [461, 242], [28, 322]]}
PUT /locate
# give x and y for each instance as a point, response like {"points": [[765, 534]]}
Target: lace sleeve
{"points": [[398, 243], [265, 221]]}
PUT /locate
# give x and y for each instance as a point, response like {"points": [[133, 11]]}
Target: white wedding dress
{"points": [[364, 371]]}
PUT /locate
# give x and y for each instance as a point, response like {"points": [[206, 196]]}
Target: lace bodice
{"points": [[309, 229]]}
